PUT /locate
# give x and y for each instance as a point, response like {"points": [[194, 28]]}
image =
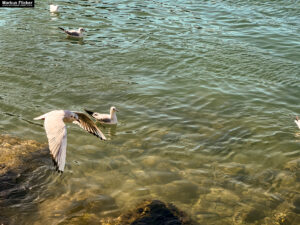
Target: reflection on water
{"points": [[205, 114], [109, 129]]}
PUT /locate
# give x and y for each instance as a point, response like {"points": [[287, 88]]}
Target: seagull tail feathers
{"points": [[62, 29]]}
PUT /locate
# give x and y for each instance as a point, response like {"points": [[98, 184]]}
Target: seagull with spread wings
{"points": [[57, 132]]}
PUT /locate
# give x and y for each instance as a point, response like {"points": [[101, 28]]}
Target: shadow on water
{"points": [[23, 172], [79, 41]]}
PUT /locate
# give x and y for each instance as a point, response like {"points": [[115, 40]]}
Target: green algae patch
{"points": [[15, 152]]}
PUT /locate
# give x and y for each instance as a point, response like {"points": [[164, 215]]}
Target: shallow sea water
{"points": [[206, 90]]}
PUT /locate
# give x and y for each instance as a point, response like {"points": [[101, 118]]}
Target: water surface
{"points": [[207, 93]]}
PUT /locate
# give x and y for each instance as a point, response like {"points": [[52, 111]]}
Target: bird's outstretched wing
{"points": [[57, 138], [87, 124]]}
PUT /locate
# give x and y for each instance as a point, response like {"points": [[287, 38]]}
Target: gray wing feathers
{"points": [[87, 124], [105, 120], [76, 34], [71, 33]]}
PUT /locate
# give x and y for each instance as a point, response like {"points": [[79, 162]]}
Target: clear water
{"points": [[207, 93]]}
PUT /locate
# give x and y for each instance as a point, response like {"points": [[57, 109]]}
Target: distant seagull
{"points": [[57, 132], [105, 118], [54, 8], [297, 121], [74, 33]]}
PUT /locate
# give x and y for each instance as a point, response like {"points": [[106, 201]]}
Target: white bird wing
{"points": [[103, 118], [87, 124], [57, 138]]}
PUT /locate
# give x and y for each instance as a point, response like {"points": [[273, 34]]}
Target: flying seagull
{"points": [[297, 121], [57, 132], [74, 33], [105, 118], [54, 8]]}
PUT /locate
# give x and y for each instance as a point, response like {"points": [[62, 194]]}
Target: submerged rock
{"points": [[183, 191], [293, 165], [18, 158], [15, 153], [296, 204], [151, 212], [283, 216], [254, 214], [83, 219]]}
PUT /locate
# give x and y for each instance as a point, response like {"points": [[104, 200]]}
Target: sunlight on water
{"points": [[207, 93]]}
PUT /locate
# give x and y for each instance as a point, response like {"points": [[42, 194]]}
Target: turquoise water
{"points": [[207, 93]]}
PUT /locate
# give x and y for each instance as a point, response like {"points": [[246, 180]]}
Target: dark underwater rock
{"points": [[253, 215], [296, 203], [152, 212]]}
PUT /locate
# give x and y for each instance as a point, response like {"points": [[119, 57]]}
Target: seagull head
{"points": [[81, 30], [113, 109], [71, 115], [75, 117]]}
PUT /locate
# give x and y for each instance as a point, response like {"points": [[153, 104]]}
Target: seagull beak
{"points": [[117, 110]]}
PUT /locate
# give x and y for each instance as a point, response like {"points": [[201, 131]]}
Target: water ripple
{"points": [[207, 93]]}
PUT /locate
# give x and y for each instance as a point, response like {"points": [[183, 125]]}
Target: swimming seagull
{"points": [[57, 132], [74, 33], [54, 8], [105, 118], [297, 121]]}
